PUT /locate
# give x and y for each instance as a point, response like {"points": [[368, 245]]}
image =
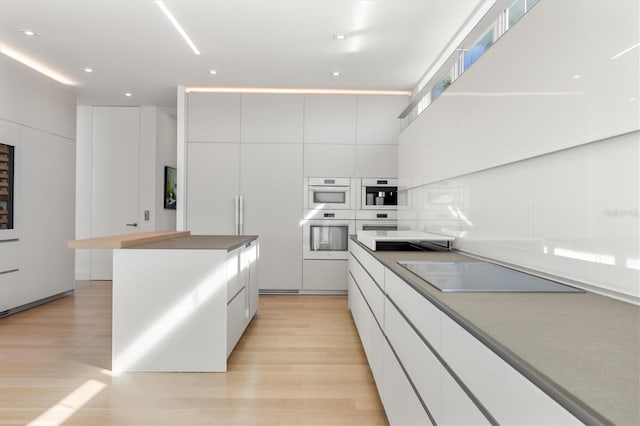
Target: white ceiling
{"points": [[258, 43]]}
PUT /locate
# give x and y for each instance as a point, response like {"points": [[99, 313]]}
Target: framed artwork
{"points": [[170, 183]]}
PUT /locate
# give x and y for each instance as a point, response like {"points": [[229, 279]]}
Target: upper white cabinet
{"points": [[324, 160], [377, 118], [377, 160], [330, 119], [272, 118], [213, 117]]}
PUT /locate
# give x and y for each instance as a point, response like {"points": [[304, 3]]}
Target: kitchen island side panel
{"points": [[169, 318]]}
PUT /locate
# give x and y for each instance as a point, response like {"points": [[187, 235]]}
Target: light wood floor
{"points": [[300, 362]]}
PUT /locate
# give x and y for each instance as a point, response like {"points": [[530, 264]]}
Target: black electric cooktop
{"points": [[479, 277]]}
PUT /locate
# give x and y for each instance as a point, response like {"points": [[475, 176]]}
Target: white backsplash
{"points": [[572, 213]]}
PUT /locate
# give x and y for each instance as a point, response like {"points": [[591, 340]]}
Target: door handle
{"points": [[132, 224]]}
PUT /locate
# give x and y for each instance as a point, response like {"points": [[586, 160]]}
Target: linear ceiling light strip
{"points": [[177, 26], [267, 90], [33, 64]]}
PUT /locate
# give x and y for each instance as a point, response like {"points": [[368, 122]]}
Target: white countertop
{"points": [[370, 238]]}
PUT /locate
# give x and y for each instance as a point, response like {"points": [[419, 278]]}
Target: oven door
{"points": [[327, 239]]}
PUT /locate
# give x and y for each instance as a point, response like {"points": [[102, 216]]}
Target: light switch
{"points": [[146, 215]]}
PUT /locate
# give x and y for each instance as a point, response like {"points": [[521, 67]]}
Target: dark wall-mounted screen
{"points": [[6, 186], [170, 184]]}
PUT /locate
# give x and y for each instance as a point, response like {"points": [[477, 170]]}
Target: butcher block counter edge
{"points": [[126, 240]]}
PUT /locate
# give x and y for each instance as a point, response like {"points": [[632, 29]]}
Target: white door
{"points": [[271, 183], [115, 146]]}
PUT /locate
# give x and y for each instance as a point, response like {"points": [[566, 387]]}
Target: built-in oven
{"points": [[378, 194], [380, 220], [328, 193], [326, 233]]}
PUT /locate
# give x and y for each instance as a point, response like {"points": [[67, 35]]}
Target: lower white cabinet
{"points": [[398, 397], [509, 396], [236, 319], [242, 291], [429, 369], [181, 309]]}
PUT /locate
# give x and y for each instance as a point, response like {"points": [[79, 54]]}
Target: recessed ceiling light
{"points": [[128, 94], [213, 72], [29, 33], [335, 73], [632, 99], [577, 76], [339, 36], [88, 70]]}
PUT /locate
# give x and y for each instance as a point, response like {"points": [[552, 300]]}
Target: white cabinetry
{"points": [[213, 182], [213, 118], [377, 119], [181, 309], [272, 118], [433, 370], [506, 393], [271, 182], [266, 174], [330, 119]]}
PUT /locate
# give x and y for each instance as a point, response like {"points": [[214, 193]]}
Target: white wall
{"points": [[156, 136], [37, 116], [528, 165]]}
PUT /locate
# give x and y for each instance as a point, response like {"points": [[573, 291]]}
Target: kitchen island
{"points": [[180, 303], [543, 358]]}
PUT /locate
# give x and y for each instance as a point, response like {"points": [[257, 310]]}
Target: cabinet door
{"points": [[271, 183], [268, 118], [213, 182], [330, 119], [213, 117], [378, 121]]}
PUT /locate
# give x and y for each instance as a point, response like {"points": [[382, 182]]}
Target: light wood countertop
{"points": [[126, 240]]}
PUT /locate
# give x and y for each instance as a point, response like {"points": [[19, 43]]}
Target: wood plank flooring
{"points": [[300, 362]]}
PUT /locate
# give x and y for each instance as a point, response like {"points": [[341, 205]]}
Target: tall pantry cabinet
{"points": [[249, 145]]}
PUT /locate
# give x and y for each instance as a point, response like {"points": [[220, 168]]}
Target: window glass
{"points": [[478, 49], [441, 86], [516, 10]]}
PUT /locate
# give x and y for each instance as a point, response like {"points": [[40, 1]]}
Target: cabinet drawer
{"points": [[234, 280], [423, 314], [236, 320], [398, 397], [373, 295], [421, 365], [509, 396], [369, 332], [9, 256], [372, 266]]}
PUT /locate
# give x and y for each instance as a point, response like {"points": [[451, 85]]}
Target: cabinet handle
{"points": [[132, 224]]}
